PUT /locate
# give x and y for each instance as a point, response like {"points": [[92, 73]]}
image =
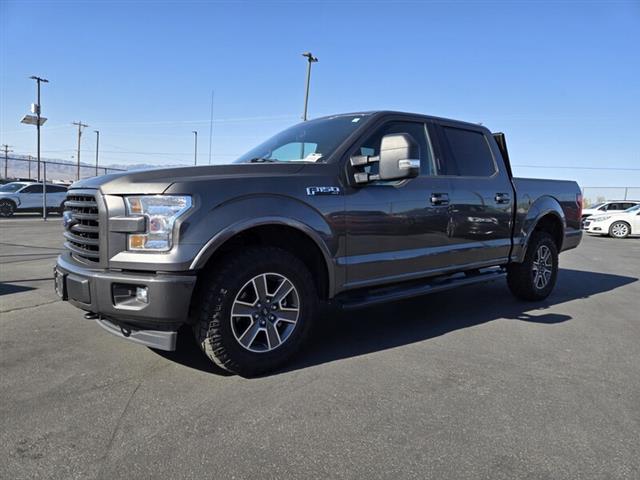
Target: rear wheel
{"points": [[535, 277], [255, 310], [619, 229], [7, 208]]}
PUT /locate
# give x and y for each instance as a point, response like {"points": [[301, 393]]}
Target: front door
{"points": [[31, 196], [396, 230]]}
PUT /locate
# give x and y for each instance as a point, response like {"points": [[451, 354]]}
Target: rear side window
{"points": [[470, 155], [55, 189]]}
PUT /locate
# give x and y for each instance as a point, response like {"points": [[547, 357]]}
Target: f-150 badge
{"points": [[323, 191]]}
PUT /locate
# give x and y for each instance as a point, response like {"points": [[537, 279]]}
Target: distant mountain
{"points": [[65, 170]]}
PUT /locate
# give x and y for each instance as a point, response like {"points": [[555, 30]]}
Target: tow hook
{"points": [[125, 331]]}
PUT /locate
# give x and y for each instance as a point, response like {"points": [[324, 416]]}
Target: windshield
{"points": [[12, 187], [595, 205], [311, 141]]}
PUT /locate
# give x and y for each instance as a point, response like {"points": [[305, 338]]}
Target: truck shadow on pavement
{"points": [[341, 335]]}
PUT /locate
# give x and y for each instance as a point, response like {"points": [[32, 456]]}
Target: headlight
{"points": [[161, 211], [600, 219]]}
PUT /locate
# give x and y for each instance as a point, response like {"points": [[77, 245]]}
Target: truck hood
{"points": [[158, 180]]}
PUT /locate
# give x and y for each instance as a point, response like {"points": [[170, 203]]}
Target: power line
{"points": [[572, 167]]}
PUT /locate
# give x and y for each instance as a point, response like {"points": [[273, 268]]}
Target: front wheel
{"points": [[619, 230], [255, 311], [535, 277], [7, 208]]}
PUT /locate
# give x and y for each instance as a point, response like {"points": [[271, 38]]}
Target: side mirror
{"points": [[399, 159]]}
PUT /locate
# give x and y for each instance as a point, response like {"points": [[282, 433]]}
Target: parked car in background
{"points": [[610, 206], [27, 197], [614, 223]]}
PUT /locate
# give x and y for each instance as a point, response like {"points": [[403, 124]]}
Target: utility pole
{"points": [[195, 151], [38, 112], [80, 127], [29, 163], [97, 145], [6, 158], [310, 59], [44, 191]]}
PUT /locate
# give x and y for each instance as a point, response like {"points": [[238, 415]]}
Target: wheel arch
{"points": [[546, 215], [301, 240]]}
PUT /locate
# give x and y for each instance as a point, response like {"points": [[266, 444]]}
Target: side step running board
{"points": [[351, 301]]}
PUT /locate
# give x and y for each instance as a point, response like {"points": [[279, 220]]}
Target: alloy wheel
{"points": [[619, 230], [542, 267], [265, 312]]}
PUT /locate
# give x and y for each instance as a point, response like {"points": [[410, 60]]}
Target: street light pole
{"points": [[80, 127], [38, 113], [310, 59], [97, 146], [195, 151]]}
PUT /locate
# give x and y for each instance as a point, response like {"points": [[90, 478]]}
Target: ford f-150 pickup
{"points": [[350, 210]]}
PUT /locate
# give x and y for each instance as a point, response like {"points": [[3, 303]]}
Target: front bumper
{"points": [[100, 293]]}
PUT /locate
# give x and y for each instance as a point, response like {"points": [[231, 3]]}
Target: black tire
{"points": [[619, 229], [7, 208], [521, 277], [215, 329]]}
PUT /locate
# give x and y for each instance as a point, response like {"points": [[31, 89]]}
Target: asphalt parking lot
{"points": [[463, 384]]}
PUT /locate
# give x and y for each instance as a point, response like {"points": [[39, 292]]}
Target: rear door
{"points": [[55, 195], [482, 197]]}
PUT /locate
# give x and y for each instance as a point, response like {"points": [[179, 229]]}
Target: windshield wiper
{"points": [[262, 160]]}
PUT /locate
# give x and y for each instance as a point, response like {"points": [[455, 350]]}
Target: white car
{"points": [[616, 224], [612, 206], [27, 197]]}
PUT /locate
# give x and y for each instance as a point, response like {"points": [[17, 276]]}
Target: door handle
{"points": [[439, 198], [502, 198]]}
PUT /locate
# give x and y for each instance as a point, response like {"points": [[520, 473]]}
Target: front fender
{"points": [[13, 198], [240, 214], [528, 218]]}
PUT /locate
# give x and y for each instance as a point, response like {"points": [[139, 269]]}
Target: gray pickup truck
{"points": [[350, 210]]}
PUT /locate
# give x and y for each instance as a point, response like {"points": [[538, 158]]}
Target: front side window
{"points": [[371, 146], [470, 155], [312, 141], [32, 189]]}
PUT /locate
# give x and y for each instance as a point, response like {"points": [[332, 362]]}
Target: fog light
{"points": [[142, 294]]}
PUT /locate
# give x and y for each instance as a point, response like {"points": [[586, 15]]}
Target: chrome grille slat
{"points": [[93, 255], [81, 240], [84, 228], [74, 203], [83, 232]]}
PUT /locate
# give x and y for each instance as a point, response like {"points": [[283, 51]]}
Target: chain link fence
{"points": [[13, 168]]}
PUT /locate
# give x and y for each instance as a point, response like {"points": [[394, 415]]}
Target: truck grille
{"points": [[82, 226]]}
